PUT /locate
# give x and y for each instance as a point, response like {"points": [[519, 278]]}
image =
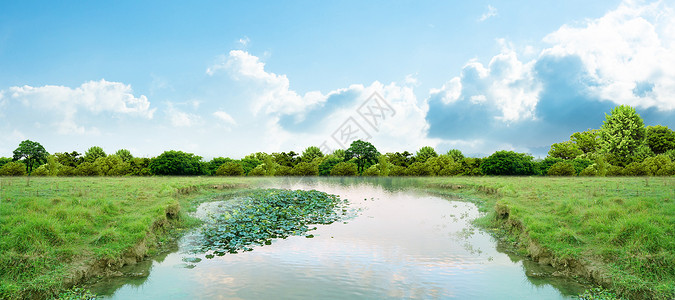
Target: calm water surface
{"points": [[402, 244]]}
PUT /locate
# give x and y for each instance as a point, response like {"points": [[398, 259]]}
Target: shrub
{"points": [[372, 171], [591, 170], [88, 169], [344, 169], [654, 165], [562, 168], [327, 164], [419, 169], [305, 169], [257, 171], [508, 163], [40, 171], [580, 164], [176, 163], [613, 170], [283, 171], [544, 165], [397, 170], [67, 171], [230, 169], [635, 169], [14, 168]]}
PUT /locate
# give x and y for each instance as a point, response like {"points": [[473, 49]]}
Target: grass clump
{"points": [[621, 230], [270, 214]]}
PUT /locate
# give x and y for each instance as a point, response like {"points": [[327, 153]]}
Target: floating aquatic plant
{"points": [[270, 214]]}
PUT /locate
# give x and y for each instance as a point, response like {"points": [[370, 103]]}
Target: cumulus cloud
{"points": [[94, 97], [623, 57], [491, 12], [270, 92], [628, 53], [180, 118], [225, 117]]}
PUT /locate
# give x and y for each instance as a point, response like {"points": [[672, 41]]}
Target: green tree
{"points": [[543, 166], [565, 150], [455, 154], [306, 169], [508, 163], [230, 169], [424, 154], [660, 139], [14, 168], [5, 160], [658, 165], [418, 169], [249, 164], [32, 154], [88, 169], [176, 163], [622, 133], [440, 165], [215, 163], [310, 154], [93, 153], [401, 159], [364, 152], [72, 159], [257, 171], [125, 155], [288, 159], [328, 163], [283, 171], [561, 168], [113, 165], [587, 141], [344, 168]]}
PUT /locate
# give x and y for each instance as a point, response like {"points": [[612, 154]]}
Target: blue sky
{"points": [[228, 78]]}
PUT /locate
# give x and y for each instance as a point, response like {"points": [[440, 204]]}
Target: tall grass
{"points": [[53, 228], [623, 228]]}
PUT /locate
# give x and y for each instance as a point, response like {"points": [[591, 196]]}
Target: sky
{"points": [[225, 78]]}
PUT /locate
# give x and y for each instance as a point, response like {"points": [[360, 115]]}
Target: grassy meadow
{"points": [[620, 232], [56, 231]]}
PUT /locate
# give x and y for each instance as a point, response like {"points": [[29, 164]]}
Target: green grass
{"points": [[54, 228], [622, 228]]}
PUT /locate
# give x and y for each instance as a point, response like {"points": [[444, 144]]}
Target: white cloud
{"points": [[93, 96], [270, 92], [179, 118], [629, 53], [491, 12], [243, 42], [506, 82], [225, 117]]}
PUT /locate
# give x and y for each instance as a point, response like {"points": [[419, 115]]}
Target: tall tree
{"points": [[125, 155], [622, 133], [660, 139], [425, 153], [94, 153], [310, 154], [587, 141], [364, 152], [31, 153]]}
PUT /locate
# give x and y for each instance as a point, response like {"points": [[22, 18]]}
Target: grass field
{"points": [[620, 232], [56, 231]]}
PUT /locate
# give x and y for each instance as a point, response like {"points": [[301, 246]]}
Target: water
{"points": [[403, 244]]}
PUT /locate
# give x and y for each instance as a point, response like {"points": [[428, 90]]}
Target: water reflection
{"points": [[404, 244]]}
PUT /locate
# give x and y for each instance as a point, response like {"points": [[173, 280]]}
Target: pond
{"points": [[401, 244]]}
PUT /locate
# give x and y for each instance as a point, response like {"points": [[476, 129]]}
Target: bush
{"points": [[613, 170], [14, 168], [283, 171], [591, 170], [230, 169], [508, 163], [176, 163], [257, 171], [667, 170], [344, 169], [562, 168], [40, 171], [327, 164], [544, 165], [635, 169], [372, 171], [88, 169], [580, 164], [418, 169], [654, 165], [397, 170], [305, 169], [67, 171]]}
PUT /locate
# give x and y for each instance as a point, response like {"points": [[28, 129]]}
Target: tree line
{"points": [[623, 146]]}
